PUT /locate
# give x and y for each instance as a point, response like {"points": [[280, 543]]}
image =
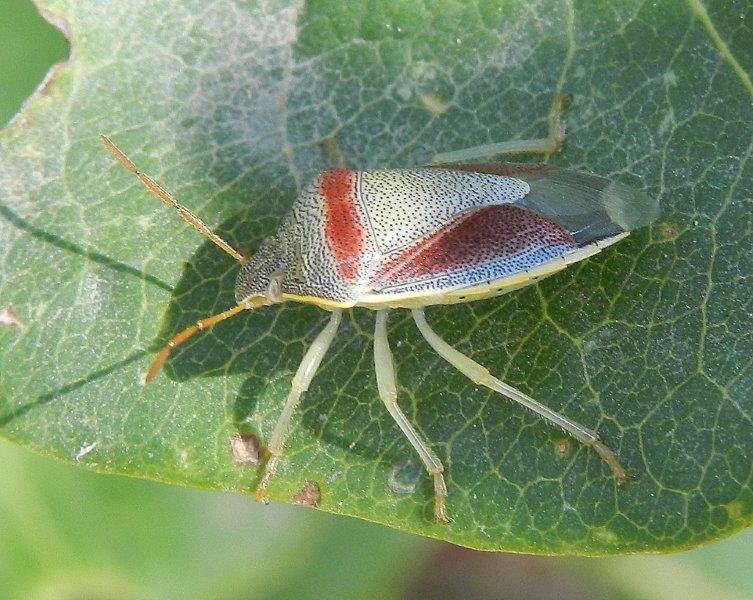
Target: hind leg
{"points": [[548, 145], [480, 375], [385, 374]]}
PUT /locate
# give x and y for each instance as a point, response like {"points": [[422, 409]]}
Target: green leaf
{"points": [[227, 105]]}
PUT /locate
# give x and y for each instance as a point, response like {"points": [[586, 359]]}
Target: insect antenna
{"points": [[187, 333], [163, 195]]}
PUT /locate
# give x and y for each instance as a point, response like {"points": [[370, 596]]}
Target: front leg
{"points": [[301, 381]]}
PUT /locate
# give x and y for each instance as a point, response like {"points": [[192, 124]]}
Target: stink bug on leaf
{"points": [[410, 238]]}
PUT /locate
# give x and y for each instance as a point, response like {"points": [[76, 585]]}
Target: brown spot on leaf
{"points": [[562, 447], [308, 496], [735, 510], [244, 448], [10, 320], [669, 232]]}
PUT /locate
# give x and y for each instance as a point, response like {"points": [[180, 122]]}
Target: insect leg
{"points": [[332, 148], [163, 195], [481, 376], [187, 333], [385, 375], [300, 384], [548, 145]]}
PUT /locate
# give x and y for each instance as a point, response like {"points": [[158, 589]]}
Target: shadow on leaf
{"points": [[268, 344]]}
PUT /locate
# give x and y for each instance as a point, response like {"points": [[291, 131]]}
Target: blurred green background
{"points": [[68, 534]]}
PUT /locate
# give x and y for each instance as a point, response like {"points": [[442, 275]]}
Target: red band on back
{"points": [[344, 227]]}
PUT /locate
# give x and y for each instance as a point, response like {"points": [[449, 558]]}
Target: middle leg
{"points": [[385, 374]]}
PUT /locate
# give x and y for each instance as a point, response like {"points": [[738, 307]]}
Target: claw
{"points": [[619, 472]]}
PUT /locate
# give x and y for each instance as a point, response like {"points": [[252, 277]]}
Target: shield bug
{"points": [[411, 238]]}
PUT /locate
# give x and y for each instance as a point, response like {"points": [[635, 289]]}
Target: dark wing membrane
{"points": [[590, 207]]}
